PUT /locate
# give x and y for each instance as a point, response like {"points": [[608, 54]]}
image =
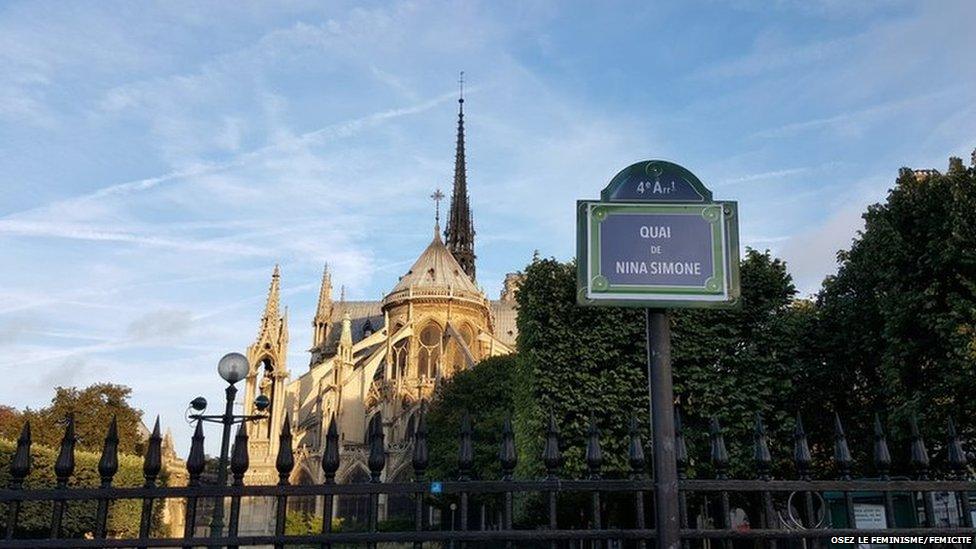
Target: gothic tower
{"points": [[460, 225], [268, 374], [323, 313]]}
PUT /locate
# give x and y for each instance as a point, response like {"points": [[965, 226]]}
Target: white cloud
{"points": [[762, 176], [812, 254], [161, 325], [853, 121]]}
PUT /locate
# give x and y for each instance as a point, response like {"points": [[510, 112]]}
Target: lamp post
{"points": [[233, 367]]}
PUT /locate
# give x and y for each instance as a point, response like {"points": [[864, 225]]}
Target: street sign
{"points": [[657, 239]]}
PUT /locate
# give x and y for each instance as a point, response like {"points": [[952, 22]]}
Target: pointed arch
{"points": [[353, 509], [307, 505], [400, 506], [430, 343]]}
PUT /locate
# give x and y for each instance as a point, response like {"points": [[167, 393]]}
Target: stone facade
{"points": [[373, 357]]}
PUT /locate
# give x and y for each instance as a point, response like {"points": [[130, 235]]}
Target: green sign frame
{"points": [[721, 290]]}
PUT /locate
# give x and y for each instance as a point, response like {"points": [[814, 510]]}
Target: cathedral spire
{"points": [[271, 316], [323, 313], [460, 225]]}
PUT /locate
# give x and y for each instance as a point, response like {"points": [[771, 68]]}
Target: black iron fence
{"points": [[606, 512]]}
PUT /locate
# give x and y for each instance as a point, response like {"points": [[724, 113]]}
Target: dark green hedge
{"points": [[79, 518]]}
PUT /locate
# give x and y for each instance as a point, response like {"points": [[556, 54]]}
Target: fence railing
{"points": [[605, 512]]}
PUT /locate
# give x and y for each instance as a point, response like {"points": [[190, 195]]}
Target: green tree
{"points": [[577, 363], [11, 421], [35, 516], [732, 364], [485, 392], [580, 362], [897, 323], [93, 408]]}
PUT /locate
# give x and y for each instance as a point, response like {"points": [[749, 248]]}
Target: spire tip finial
{"points": [[437, 197], [461, 87]]}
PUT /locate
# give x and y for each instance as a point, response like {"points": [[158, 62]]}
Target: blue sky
{"points": [[157, 160]]}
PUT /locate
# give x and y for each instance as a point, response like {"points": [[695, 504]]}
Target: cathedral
{"points": [[374, 357]]}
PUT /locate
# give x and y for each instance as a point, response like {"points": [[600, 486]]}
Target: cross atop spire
{"points": [[437, 197], [460, 225]]}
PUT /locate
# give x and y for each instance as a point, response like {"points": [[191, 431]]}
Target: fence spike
{"points": [[956, 455], [330, 458], [506, 454], [761, 455], [285, 460], [239, 459], [719, 454], [920, 456], [421, 456], [108, 464], [882, 457], [377, 448], [680, 448], [152, 461], [551, 455], [20, 466], [842, 453], [801, 450], [594, 455], [635, 454], [465, 449], [195, 461], [64, 466]]}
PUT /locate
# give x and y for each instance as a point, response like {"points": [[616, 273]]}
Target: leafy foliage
{"points": [[897, 323], [79, 518], [298, 523], [93, 408], [733, 364], [11, 421], [485, 392], [579, 362]]}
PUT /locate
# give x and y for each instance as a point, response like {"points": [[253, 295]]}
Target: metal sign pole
{"points": [[662, 425], [657, 240]]}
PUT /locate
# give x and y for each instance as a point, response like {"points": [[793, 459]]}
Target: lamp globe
{"points": [[233, 367]]}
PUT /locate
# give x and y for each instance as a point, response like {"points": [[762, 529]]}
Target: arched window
{"points": [[400, 506], [467, 334], [401, 351], [354, 509], [367, 329], [430, 351], [266, 387], [303, 504]]}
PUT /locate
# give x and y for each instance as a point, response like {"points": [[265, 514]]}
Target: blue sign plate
{"points": [[658, 254]]}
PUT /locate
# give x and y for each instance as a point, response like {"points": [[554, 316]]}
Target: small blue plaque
{"points": [[436, 487]]}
